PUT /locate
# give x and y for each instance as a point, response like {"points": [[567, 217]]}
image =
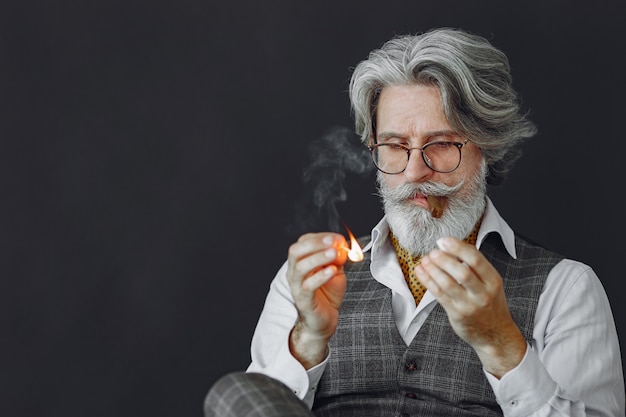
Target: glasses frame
{"points": [[459, 146]]}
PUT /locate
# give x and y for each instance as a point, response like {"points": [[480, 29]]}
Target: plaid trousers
{"points": [[241, 394]]}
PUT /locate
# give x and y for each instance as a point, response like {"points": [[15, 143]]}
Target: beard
{"points": [[415, 228]]}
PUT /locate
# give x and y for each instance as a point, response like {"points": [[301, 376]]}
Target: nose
{"points": [[416, 169]]}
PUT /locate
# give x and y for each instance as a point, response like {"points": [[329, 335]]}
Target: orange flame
{"points": [[355, 254]]}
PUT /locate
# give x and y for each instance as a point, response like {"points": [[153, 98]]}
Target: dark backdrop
{"points": [[151, 169]]}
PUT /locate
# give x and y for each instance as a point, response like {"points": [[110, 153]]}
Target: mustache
{"points": [[410, 190]]}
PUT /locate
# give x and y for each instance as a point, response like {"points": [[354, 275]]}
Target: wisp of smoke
{"points": [[337, 153]]}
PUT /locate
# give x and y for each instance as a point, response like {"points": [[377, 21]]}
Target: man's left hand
{"points": [[471, 292]]}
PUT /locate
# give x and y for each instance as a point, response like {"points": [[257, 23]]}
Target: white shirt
{"points": [[572, 367]]}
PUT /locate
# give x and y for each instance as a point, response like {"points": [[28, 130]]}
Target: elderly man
{"points": [[450, 313]]}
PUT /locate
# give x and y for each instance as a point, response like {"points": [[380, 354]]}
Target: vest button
{"points": [[411, 367], [411, 395]]}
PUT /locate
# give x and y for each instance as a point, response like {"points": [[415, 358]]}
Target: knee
{"points": [[244, 394], [218, 396], [230, 393]]}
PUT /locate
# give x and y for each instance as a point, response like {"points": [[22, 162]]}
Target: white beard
{"points": [[415, 228]]}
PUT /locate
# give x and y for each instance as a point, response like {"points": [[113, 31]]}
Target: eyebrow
{"points": [[387, 135]]}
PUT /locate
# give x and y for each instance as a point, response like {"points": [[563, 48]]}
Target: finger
{"points": [[455, 268], [468, 255], [316, 261], [319, 278], [437, 274], [312, 243]]}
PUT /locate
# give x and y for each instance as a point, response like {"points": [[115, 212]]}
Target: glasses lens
{"points": [[390, 158], [442, 156]]}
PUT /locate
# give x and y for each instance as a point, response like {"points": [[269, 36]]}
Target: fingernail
{"points": [[443, 243], [330, 253], [328, 240]]}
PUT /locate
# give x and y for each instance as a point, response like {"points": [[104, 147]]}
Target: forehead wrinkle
{"points": [[412, 111]]}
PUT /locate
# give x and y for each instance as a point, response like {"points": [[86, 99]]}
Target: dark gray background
{"points": [[152, 155]]}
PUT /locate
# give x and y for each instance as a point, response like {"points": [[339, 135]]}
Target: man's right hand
{"points": [[318, 285]]}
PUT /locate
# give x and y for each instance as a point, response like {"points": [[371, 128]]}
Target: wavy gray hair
{"points": [[476, 87]]}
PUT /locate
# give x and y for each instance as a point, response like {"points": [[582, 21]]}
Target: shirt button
{"points": [[513, 403]]}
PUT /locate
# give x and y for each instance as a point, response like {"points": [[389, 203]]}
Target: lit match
{"points": [[355, 254]]}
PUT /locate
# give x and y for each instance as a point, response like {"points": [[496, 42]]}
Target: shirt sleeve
{"points": [[573, 367], [269, 349]]}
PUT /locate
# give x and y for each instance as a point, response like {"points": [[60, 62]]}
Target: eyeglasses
{"points": [[441, 156]]}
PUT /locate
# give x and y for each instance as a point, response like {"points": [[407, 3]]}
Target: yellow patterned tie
{"points": [[408, 263]]}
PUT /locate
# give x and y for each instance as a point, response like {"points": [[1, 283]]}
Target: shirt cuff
{"points": [[288, 370], [315, 374], [525, 388]]}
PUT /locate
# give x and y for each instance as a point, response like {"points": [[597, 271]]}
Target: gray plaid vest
{"points": [[371, 371]]}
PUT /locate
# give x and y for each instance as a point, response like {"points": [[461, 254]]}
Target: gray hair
{"points": [[476, 88]]}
